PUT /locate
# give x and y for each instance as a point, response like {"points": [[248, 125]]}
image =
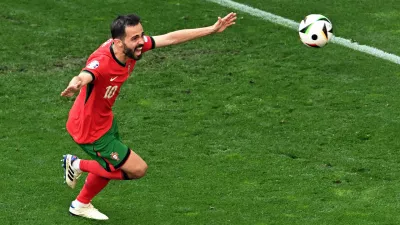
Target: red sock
{"points": [[93, 185], [92, 166]]}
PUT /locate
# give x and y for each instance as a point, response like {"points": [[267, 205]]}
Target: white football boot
{"points": [[70, 174], [87, 212]]}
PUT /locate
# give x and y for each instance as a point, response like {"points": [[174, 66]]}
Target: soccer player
{"points": [[91, 123]]}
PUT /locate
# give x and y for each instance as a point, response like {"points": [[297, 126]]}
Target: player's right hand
{"points": [[71, 89]]}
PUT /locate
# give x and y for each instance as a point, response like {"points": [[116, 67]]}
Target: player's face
{"points": [[133, 41]]}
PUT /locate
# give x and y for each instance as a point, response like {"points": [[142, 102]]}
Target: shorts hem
{"points": [[123, 160]]}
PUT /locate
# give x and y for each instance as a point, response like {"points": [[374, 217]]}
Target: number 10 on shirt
{"points": [[110, 91]]}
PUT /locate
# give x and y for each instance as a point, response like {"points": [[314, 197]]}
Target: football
{"points": [[315, 30]]}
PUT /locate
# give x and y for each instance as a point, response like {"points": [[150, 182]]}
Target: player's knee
{"points": [[138, 171], [141, 170]]}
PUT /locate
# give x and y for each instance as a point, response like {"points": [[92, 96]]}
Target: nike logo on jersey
{"points": [[112, 79]]}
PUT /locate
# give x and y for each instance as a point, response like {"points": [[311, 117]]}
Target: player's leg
{"points": [[116, 162], [102, 152], [93, 185], [109, 156], [95, 182], [108, 161], [115, 157], [82, 206], [131, 167], [93, 166], [135, 167], [73, 168]]}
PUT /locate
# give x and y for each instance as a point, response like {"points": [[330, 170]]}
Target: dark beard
{"points": [[130, 53]]}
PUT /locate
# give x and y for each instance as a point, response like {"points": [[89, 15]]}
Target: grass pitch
{"points": [[244, 127]]}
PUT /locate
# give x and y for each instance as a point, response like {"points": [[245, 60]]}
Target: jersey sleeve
{"points": [[95, 66], [149, 43]]}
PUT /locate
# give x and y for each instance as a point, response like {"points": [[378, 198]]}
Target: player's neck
{"points": [[119, 54]]}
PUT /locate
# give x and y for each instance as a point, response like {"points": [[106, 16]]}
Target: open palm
{"points": [[225, 22]]}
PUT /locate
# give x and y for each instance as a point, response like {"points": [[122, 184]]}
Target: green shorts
{"points": [[109, 151]]}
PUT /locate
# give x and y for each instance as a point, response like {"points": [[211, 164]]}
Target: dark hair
{"points": [[119, 24]]}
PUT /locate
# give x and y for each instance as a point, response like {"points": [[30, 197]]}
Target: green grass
{"points": [[245, 127]]}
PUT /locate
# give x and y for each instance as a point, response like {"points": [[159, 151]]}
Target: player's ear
{"points": [[118, 42]]}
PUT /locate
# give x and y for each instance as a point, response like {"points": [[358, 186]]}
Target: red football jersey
{"points": [[91, 114]]}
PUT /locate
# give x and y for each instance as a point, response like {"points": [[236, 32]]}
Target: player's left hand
{"points": [[225, 22]]}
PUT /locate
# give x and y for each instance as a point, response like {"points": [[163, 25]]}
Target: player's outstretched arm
{"points": [[180, 36], [77, 83]]}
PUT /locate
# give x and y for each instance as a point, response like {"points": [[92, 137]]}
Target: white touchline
{"points": [[294, 25]]}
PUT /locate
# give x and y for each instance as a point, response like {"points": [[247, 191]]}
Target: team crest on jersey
{"points": [[115, 156], [93, 64]]}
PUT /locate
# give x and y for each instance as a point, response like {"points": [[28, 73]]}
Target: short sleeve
{"points": [[95, 65], [148, 43]]}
